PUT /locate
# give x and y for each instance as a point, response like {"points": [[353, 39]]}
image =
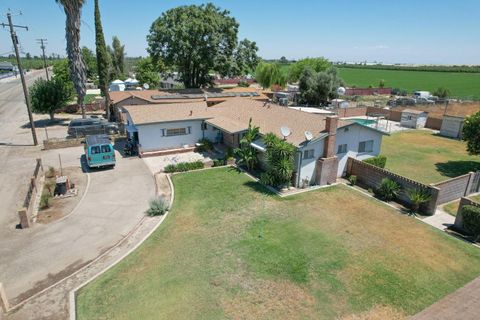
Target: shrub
{"points": [[267, 179], [205, 145], [280, 156], [50, 186], [243, 84], [219, 162], [157, 207], [352, 179], [378, 161], [183, 166], [388, 190], [471, 220], [417, 197], [229, 154], [50, 172], [45, 200]]}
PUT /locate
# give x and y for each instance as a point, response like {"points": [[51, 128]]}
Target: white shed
{"points": [[413, 118], [452, 126], [117, 85]]}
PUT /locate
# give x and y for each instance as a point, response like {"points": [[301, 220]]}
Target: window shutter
{"points": [[163, 132]]}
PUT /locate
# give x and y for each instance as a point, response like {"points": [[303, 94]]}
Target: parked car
{"points": [[424, 101], [99, 151], [90, 126], [406, 102]]}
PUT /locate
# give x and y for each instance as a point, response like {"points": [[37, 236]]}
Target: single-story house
{"points": [[323, 142], [452, 126], [412, 118]]}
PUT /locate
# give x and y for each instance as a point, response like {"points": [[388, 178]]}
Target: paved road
{"points": [[32, 259]]}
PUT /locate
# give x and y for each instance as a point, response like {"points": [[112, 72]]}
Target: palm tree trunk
{"points": [[75, 59]]}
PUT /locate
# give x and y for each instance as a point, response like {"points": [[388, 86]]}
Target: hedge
{"points": [[378, 161], [183, 166], [471, 220]]}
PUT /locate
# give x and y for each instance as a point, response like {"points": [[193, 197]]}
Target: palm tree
{"points": [[417, 197], [78, 70]]}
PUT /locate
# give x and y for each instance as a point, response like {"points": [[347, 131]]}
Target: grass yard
{"points": [[463, 85], [231, 250], [452, 207], [425, 157]]}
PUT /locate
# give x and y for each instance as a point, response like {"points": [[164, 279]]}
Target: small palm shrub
{"points": [[388, 189], [471, 220], [205, 145], [418, 197], [183, 166], [352, 179], [157, 207]]}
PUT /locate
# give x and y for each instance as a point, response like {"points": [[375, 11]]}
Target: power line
{"points": [[20, 69], [42, 43]]}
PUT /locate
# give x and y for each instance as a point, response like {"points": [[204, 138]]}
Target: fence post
{"points": [[471, 176], [3, 299], [39, 162], [24, 218]]}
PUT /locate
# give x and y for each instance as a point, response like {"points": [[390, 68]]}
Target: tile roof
{"points": [[234, 114]]}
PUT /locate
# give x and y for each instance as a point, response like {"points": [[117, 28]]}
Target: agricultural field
{"points": [[461, 85], [231, 250], [425, 157]]}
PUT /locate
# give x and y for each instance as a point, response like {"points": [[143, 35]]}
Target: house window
{"points": [[309, 154], [175, 132], [365, 146], [342, 148]]}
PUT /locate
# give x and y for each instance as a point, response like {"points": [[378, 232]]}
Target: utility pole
{"points": [[42, 45], [22, 76]]}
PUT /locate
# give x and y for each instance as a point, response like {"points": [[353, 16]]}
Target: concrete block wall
{"points": [[371, 177], [454, 188], [351, 112], [434, 123]]}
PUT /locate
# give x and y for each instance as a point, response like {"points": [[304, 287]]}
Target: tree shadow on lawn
{"points": [[457, 168]]}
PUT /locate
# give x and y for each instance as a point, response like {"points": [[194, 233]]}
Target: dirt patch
{"points": [[60, 207], [377, 313]]}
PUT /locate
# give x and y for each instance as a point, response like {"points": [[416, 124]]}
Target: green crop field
{"points": [[462, 85]]}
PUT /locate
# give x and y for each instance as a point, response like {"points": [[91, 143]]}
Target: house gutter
{"points": [[299, 166]]}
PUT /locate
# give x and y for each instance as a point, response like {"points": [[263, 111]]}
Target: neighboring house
{"points": [[323, 142], [413, 118], [452, 126], [6, 66]]}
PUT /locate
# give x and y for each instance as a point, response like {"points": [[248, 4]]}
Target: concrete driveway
{"points": [[32, 259]]}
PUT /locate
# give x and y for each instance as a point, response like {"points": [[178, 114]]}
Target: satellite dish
{"points": [[146, 86], [308, 135], [341, 91], [285, 132]]}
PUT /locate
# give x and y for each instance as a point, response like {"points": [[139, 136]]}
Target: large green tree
{"points": [[61, 71], [268, 74], [103, 59], [78, 70], [316, 64], [118, 58], [318, 87], [195, 40], [471, 133], [147, 71], [245, 57], [49, 96], [90, 63]]}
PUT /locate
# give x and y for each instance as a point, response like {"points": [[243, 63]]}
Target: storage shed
{"points": [[452, 126], [413, 118]]}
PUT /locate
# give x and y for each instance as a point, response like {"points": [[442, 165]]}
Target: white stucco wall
{"points": [[352, 137], [150, 135], [308, 169]]}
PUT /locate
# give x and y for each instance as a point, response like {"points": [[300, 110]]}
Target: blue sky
{"points": [[420, 31]]}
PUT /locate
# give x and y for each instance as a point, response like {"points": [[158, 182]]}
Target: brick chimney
{"points": [[331, 128]]}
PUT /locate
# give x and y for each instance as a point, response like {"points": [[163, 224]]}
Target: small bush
{"points": [[388, 190], [157, 207], [50, 172], [219, 162], [418, 197], [266, 179], [378, 161], [352, 179], [50, 186], [205, 145], [183, 166], [243, 84], [230, 153], [471, 220], [45, 200]]}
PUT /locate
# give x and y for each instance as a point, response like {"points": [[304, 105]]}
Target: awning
{"points": [[259, 145]]}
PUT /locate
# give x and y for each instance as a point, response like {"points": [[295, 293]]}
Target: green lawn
{"points": [[466, 85], [425, 157], [452, 207], [231, 250]]}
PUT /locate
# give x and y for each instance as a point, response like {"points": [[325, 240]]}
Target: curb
{"points": [[72, 306]]}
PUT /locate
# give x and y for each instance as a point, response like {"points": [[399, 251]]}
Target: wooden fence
{"points": [[25, 212]]}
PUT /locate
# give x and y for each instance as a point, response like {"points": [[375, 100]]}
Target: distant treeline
{"points": [[464, 69], [30, 63]]}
